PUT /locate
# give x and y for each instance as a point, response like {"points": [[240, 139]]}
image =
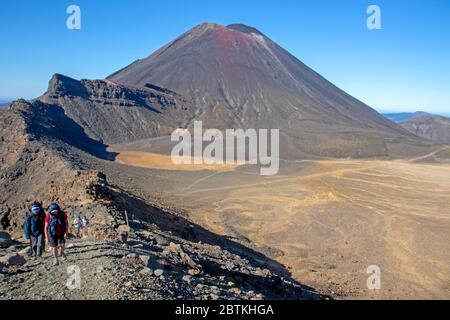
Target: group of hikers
{"points": [[51, 229]]}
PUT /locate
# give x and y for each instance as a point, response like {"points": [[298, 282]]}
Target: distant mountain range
{"points": [[432, 127], [4, 104], [402, 116]]}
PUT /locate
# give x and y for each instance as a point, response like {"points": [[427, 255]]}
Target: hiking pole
{"points": [[126, 217]]}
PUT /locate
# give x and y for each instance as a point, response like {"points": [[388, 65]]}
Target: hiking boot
{"points": [[63, 257], [55, 262]]}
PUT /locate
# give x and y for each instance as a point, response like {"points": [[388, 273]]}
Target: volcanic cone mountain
{"points": [[239, 78]]}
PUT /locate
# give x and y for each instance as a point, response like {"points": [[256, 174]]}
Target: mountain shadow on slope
{"points": [[49, 122], [181, 227]]}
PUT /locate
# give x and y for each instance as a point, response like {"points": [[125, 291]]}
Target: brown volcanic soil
{"points": [[328, 220], [194, 262], [159, 161]]}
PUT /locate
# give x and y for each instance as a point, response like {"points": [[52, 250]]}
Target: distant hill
{"points": [[4, 104], [432, 127], [402, 116]]}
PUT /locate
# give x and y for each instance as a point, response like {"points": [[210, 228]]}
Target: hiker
{"points": [[85, 222], [56, 231], [33, 229], [78, 225]]}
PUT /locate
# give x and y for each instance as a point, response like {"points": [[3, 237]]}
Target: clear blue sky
{"points": [[404, 66]]}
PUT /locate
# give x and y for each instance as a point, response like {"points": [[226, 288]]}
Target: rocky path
{"points": [[150, 265], [38, 279]]}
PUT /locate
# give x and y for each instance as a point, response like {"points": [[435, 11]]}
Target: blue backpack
{"points": [[36, 224], [54, 221]]}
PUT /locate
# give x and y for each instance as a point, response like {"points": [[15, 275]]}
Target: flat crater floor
{"points": [[165, 162], [327, 221]]}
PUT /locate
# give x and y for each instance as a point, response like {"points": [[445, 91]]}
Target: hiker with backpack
{"points": [[78, 225], [56, 231], [85, 222], [33, 229]]}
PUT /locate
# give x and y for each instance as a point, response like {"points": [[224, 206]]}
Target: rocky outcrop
{"points": [[5, 239], [13, 259], [110, 113]]}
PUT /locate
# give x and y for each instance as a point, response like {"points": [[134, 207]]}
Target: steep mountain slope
{"points": [[238, 77], [431, 127]]}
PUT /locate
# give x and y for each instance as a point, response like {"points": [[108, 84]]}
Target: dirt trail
{"points": [[431, 154], [38, 279], [152, 264]]}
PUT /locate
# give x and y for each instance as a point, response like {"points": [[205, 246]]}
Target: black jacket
{"points": [[34, 224]]}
